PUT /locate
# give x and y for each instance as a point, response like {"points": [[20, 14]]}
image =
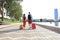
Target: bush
{"points": [[10, 21]]}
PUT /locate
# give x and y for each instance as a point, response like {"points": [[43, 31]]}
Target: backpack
{"points": [[29, 17]]}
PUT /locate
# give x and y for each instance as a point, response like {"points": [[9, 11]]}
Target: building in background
{"points": [[56, 16]]}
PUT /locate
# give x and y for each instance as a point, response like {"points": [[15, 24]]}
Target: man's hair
{"points": [[29, 12]]}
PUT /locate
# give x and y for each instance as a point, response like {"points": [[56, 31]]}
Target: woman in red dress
{"points": [[24, 20]]}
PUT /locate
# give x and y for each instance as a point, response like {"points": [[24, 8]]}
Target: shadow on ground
{"points": [[12, 30], [7, 31]]}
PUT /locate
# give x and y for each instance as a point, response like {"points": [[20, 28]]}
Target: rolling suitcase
{"points": [[33, 26]]}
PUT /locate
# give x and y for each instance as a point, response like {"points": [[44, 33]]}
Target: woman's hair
{"points": [[23, 15]]}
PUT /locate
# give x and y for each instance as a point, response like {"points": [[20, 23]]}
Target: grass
{"points": [[10, 21]]}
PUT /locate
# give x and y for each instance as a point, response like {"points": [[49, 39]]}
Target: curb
{"points": [[55, 29]]}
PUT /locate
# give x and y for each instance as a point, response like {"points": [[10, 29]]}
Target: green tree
{"points": [[8, 4], [14, 8]]}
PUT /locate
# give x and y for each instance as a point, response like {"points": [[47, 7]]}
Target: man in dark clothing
{"points": [[29, 16], [29, 19]]}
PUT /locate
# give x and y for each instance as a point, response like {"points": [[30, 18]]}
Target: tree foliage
{"points": [[14, 8]]}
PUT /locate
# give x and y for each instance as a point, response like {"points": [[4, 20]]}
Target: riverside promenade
{"points": [[12, 32]]}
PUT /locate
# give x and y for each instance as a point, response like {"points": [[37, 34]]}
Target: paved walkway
{"points": [[8, 25], [13, 33]]}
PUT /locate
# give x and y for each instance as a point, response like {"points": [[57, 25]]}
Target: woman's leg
{"points": [[24, 23]]}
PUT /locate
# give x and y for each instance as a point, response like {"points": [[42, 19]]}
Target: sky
{"points": [[41, 8]]}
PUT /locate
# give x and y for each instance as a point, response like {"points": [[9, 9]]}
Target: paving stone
{"points": [[37, 34], [5, 39]]}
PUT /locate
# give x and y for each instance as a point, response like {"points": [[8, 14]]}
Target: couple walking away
{"points": [[24, 20], [29, 19]]}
